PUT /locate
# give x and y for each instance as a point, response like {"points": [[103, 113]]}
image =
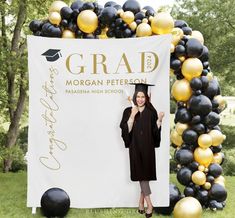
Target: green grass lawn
{"points": [[13, 202]]}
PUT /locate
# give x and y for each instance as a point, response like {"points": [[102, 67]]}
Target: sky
{"points": [[154, 3]]}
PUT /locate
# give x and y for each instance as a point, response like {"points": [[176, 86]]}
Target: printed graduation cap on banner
{"points": [[141, 87], [52, 54]]}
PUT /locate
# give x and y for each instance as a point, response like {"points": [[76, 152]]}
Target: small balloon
{"points": [[180, 127], [184, 156], [191, 68], [56, 6], [184, 176], [143, 30], [128, 17], [183, 115], [203, 156], [199, 178], [217, 137], [87, 21], [68, 34], [197, 35], [189, 136], [176, 138], [177, 35], [54, 18], [204, 141]]}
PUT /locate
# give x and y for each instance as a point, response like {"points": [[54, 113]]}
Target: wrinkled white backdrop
{"points": [[75, 107]]}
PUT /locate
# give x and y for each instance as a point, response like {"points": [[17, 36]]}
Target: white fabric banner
{"points": [[77, 93]]}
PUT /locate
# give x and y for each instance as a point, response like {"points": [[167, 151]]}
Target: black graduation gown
{"points": [[144, 137]]}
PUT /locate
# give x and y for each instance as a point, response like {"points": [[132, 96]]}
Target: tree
{"points": [[215, 19]]}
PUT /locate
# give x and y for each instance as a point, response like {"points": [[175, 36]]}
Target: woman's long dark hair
{"points": [[148, 104]]}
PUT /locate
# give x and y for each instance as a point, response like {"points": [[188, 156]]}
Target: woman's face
{"points": [[140, 99]]}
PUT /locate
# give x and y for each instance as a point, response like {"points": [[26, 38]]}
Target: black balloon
{"points": [[148, 8], [184, 156], [180, 23], [118, 7], [179, 50], [140, 16], [189, 136], [66, 13], [175, 196], [110, 4], [212, 119], [196, 119], [194, 48], [213, 204], [131, 5], [216, 149], [200, 105], [187, 30], [87, 6], [108, 15], [210, 179], [199, 128], [175, 63], [202, 196], [76, 5], [218, 193], [50, 30], [196, 84], [212, 89], [35, 25], [205, 54], [215, 170], [184, 176], [189, 192], [55, 202], [194, 166], [183, 116], [205, 82]]}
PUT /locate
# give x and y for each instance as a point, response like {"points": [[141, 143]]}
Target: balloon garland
{"points": [[196, 136]]}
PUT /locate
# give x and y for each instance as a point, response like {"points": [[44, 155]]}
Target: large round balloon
{"points": [[200, 105], [162, 23], [181, 90], [184, 156], [108, 15], [184, 176], [212, 89], [202, 196], [87, 21], [194, 48], [203, 156], [191, 68], [189, 191], [55, 202], [188, 207], [218, 193], [215, 170], [175, 196], [199, 128]]}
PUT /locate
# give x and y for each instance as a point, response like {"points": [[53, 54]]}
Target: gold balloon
{"points": [[191, 68], [206, 170], [55, 18], [128, 17], [143, 29], [181, 90], [199, 178], [201, 168], [203, 156], [177, 35], [87, 21], [176, 139], [162, 23], [180, 127], [120, 12], [210, 76], [56, 6], [204, 141], [182, 58], [172, 72], [221, 101], [220, 182], [133, 26], [217, 137], [197, 35], [145, 20], [207, 186], [68, 34], [220, 178], [172, 47], [188, 207], [218, 158], [150, 18]]}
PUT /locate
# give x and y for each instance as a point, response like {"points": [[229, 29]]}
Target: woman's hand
{"points": [[134, 111], [160, 116]]}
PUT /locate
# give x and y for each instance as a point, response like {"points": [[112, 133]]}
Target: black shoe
{"points": [[141, 211], [148, 215]]}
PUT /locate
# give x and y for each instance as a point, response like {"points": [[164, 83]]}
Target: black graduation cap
{"points": [[141, 87], [52, 54]]}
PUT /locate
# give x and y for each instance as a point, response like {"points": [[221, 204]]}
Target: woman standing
{"points": [[141, 132]]}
